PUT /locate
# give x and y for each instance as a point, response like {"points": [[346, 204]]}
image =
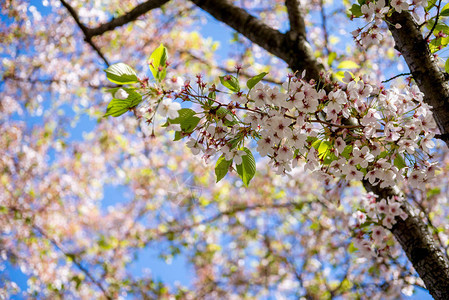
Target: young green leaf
{"points": [[222, 113], [121, 73], [254, 80], [445, 11], [430, 5], [118, 107], [231, 82], [446, 66], [247, 168], [322, 149], [332, 56], [184, 113], [186, 119], [356, 10], [222, 167], [399, 162], [316, 144], [157, 63], [347, 151], [347, 64]]}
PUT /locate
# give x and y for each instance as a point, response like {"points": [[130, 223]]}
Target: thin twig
{"points": [[323, 26], [228, 70], [68, 255], [126, 18], [436, 21], [85, 30], [394, 77]]}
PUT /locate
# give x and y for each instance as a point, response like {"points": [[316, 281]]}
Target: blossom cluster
{"points": [[357, 131], [375, 12], [383, 214]]}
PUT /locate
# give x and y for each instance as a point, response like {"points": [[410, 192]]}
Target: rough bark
{"points": [[419, 245], [428, 260], [428, 76]]}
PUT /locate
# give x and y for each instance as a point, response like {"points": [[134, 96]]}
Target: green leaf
{"points": [[247, 168], [121, 74], [78, 280], [316, 144], [433, 192], [157, 63], [222, 112], [445, 11], [330, 157], [186, 119], [347, 64], [352, 248], [383, 154], [439, 27], [178, 136], [118, 107], [332, 56], [430, 4], [222, 167], [211, 95], [347, 151], [356, 10], [446, 66], [184, 113], [322, 149], [231, 82], [103, 244], [399, 162], [254, 80]]}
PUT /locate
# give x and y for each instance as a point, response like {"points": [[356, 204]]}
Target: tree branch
{"points": [[130, 16], [291, 47], [85, 30], [295, 17]]}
